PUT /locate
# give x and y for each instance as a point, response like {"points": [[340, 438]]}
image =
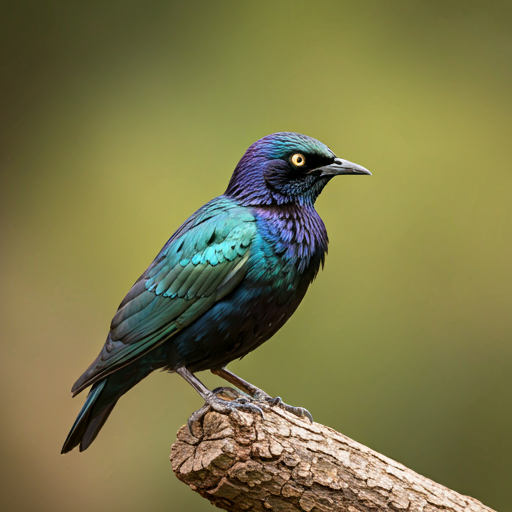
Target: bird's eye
{"points": [[298, 160]]}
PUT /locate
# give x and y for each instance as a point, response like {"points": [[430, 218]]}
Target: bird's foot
{"points": [[260, 396], [300, 412], [224, 400]]}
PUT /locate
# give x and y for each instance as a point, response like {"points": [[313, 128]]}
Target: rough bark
{"points": [[280, 463]]}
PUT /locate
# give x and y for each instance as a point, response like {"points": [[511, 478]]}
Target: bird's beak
{"points": [[342, 167]]}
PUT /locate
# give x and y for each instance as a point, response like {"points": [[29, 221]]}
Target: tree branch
{"points": [[283, 464]]}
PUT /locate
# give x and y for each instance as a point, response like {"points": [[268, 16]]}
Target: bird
{"points": [[224, 283]]}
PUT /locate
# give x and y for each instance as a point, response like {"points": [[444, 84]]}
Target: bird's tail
{"points": [[101, 399], [90, 419]]}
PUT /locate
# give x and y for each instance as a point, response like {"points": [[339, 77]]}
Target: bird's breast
{"points": [[292, 241], [284, 257]]}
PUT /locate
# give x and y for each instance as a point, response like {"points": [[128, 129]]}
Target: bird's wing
{"points": [[202, 262]]}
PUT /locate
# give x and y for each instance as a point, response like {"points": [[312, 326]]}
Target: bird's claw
{"points": [[195, 418], [225, 401], [300, 412]]}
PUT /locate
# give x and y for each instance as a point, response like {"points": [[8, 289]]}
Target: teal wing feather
{"points": [[202, 262]]}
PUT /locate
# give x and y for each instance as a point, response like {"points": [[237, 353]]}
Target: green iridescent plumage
{"points": [[195, 269]]}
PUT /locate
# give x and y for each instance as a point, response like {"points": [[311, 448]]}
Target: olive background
{"points": [[119, 118]]}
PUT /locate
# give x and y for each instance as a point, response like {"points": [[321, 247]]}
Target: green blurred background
{"points": [[118, 119]]}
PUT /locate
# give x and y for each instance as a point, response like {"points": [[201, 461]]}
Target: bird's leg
{"points": [[215, 402], [259, 394]]}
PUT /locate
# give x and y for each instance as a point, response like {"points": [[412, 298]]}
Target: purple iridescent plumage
{"points": [[265, 161]]}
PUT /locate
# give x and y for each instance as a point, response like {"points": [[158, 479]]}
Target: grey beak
{"points": [[342, 167]]}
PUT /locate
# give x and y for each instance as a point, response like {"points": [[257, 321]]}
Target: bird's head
{"points": [[286, 168]]}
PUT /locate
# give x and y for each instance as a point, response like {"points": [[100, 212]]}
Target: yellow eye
{"points": [[298, 160]]}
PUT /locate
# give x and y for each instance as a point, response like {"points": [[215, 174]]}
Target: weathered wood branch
{"points": [[283, 464]]}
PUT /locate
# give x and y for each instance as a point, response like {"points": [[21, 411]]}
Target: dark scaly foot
{"points": [[260, 395], [223, 400], [300, 412]]}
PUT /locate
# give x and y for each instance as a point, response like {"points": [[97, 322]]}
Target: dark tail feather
{"points": [[86, 426], [95, 426], [102, 398]]}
